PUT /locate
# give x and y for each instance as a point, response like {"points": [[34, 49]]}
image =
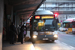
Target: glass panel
{"points": [[43, 23], [48, 22], [67, 25]]}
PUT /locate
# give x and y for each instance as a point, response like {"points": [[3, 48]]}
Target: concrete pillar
{"points": [[17, 20], [12, 14], [1, 21]]}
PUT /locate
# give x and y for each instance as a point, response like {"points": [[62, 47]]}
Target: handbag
{"points": [[24, 32], [16, 36]]}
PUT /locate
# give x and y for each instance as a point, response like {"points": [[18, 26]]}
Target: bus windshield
{"points": [[43, 25], [48, 22]]}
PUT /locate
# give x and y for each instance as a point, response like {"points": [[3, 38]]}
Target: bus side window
{"points": [[64, 25], [71, 25]]}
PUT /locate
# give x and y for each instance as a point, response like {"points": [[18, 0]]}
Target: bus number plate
{"points": [[45, 38]]}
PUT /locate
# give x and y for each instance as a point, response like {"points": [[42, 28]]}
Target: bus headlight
{"points": [[34, 36], [55, 35], [35, 33]]}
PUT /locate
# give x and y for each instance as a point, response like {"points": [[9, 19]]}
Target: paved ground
{"points": [[17, 46], [64, 42], [39, 45]]}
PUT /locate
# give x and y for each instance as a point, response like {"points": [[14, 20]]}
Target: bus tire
{"points": [[73, 33], [33, 41], [52, 41]]}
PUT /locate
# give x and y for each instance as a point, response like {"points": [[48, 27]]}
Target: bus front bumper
{"points": [[45, 37]]}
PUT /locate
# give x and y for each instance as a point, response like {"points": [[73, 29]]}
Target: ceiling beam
{"points": [[13, 2], [29, 2], [18, 2], [31, 8], [38, 6], [25, 11], [20, 7], [23, 14]]}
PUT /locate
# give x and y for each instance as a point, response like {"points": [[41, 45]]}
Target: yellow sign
{"points": [[47, 17], [41, 24], [59, 24]]}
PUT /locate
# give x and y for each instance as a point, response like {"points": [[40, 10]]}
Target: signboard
{"points": [[47, 17], [44, 17]]}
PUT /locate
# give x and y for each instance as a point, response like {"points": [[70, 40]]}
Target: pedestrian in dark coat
{"points": [[22, 35], [13, 33]]}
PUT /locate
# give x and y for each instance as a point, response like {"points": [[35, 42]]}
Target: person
{"points": [[4, 33], [13, 33], [25, 30], [19, 27], [23, 33]]}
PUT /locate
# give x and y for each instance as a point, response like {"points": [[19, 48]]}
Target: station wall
{"points": [[1, 21]]}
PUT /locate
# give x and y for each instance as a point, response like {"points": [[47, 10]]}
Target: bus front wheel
{"points": [[52, 40], [33, 41]]}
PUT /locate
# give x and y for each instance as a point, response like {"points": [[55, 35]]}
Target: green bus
{"points": [[43, 26], [70, 25]]}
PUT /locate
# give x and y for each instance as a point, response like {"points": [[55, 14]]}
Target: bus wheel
{"points": [[52, 41], [73, 33], [33, 42]]}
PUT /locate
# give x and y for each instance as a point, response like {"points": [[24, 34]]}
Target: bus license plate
{"points": [[45, 38]]}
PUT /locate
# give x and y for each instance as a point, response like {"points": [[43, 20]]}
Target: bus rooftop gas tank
{"points": [[43, 12]]}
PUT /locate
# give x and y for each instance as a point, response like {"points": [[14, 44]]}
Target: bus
{"points": [[70, 25], [43, 26]]}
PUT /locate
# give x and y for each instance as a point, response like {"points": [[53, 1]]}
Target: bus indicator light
{"points": [[37, 17]]}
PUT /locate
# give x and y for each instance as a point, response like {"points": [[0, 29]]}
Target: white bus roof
{"points": [[69, 20], [43, 12]]}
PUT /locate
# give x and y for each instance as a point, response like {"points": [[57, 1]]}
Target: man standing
{"points": [[13, 33]]}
